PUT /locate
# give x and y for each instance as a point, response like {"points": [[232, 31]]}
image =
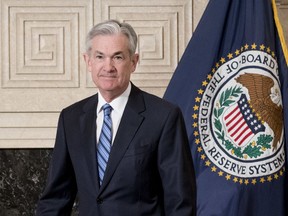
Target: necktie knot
{"points": [[107, 109]]}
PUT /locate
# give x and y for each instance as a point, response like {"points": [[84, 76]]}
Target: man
{"points": [[142, 164]]}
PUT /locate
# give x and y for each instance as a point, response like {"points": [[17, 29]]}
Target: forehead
{"points": [[113, 42]]}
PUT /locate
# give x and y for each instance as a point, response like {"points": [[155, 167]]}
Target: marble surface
{"points": [[23, 174]]}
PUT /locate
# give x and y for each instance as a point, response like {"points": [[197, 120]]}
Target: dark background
{"points": [[23, 176]]}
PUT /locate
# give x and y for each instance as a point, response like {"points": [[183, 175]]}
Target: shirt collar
{"points": [[118, 104]]}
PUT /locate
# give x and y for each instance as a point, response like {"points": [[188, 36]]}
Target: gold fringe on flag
{"points": [[280, 31]]}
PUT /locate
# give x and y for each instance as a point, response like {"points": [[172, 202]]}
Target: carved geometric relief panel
{"points": [[41, 67], [41, 44], [41, 63], [163, 28]]}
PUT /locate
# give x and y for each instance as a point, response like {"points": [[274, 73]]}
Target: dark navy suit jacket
{"points": [[149, 172]]}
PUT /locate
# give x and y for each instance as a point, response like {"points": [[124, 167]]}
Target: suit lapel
{"points": [[88, 133], [130, 122]]}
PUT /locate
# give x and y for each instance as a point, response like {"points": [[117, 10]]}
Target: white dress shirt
{"points": [[118, 106]]}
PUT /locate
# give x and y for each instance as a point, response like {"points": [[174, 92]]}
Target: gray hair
{"points": [[112, 27]]}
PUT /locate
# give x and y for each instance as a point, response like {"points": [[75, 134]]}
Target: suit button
{"points": [[99, 200]]}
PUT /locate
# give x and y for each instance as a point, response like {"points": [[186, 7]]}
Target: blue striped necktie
{"points": [[105, 141]]}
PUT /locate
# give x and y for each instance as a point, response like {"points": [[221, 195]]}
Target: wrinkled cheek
{"points": [[96, 78]]}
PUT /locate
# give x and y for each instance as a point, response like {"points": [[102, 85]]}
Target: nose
{"points": [[109, 64]]}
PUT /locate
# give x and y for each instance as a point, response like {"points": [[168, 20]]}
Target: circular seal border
{"points": [[207, 162]]}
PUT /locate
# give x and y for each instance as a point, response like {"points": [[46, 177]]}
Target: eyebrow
{"points": [[101, 53]]}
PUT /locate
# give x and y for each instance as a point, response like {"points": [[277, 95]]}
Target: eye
{"points": [[118, 57], [99, 57]]}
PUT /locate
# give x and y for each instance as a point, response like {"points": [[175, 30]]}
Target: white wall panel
{"points": [[42, 69]]}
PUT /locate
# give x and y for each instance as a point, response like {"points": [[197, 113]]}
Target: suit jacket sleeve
{"points": [[176, 168], [60, 191]]}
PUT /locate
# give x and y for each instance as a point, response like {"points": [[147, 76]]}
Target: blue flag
{"points": [[232, 87]]}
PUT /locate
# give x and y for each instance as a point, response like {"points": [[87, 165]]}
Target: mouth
{"points": [[108, 75]]}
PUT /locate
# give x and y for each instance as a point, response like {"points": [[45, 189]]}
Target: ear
{"points": [[135, 59], [87, 61]]}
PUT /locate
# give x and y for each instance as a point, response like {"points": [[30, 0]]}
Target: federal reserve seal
{"points": [[238, 117]]}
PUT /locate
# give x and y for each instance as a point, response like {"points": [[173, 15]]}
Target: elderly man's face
{"points": [[110, 64]]}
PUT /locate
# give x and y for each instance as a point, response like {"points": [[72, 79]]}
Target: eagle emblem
{"points": [[238, 118], [264, 101]]}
